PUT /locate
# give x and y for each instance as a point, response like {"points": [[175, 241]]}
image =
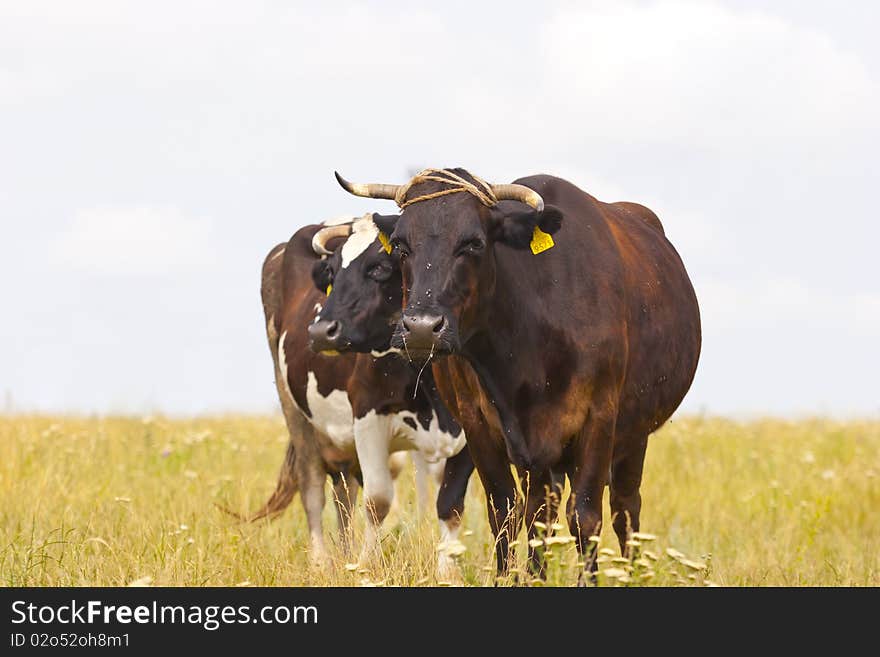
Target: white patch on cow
{"points": [[450, 529], [363, 233], [436, 470], [331, 415], [375, 437], [336, 221], [372, 434], [282, 366], [280, 253], [382, 354], [397, 462], [434, 443], [270, 329]]}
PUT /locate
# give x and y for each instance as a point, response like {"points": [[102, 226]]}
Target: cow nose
{"points": [[422, 331], [324, 335]]}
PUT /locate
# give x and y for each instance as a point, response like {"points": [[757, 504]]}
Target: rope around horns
{"points": [[485, 195]]}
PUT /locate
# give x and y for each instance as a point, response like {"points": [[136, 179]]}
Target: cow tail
{"points": [[281, 497]]}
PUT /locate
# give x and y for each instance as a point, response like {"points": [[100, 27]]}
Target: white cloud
{"points": [[768, 302], [693, 73], [140, 241], [698, 72], [156, 44]]}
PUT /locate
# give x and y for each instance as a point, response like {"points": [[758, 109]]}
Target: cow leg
{"points": [[420, 465], [489, 454], [543, 494], [309, 465], [503, 503], [396, 464], [626, 478], [345, 490], [438, 471], [450, 508], [588, 473], [309, 470], [312, 475], [372, 435]]}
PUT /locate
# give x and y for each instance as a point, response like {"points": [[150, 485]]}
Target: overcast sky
{"points": [[151, 153]]}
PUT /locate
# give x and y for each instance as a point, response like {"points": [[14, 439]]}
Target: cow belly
{"points": [[434, 443], [331, 415]]}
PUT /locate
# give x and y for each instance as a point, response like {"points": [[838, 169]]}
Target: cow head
{"points": [[363, 287], [445, 244]]}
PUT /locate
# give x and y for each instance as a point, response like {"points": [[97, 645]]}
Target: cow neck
{"points": [[428, 389], [514, 440], [483, 351]]}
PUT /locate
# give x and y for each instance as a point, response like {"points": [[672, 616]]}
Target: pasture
{"points": [[116, 500]]}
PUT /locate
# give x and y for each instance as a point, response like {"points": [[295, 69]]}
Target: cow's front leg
{"points": [[588, 473], [345, 490], [310, 474], [450, 507], [503, 502], [372, 435], [543, 493], [424, 472]]}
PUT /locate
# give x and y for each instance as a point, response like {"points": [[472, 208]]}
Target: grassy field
{"points": [[114, 500]]}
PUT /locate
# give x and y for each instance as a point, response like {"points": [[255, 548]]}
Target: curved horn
{"points": [[519, 193], [371, 190], [319, 241]]}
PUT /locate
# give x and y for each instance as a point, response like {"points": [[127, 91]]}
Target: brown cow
{"points": [[584, 343]]}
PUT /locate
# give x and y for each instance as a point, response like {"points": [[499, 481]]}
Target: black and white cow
{"points": [[347, 413]]}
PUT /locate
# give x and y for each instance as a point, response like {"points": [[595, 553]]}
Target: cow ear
{"points": [[386, 222], [322, 274], [517, 229]]}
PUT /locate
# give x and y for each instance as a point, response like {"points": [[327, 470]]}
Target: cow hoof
{"points": [[368, 559], [320, 560], [447, 570]]}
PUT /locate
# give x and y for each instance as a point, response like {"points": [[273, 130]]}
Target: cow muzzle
{"points": [[326, 337], [422, 335]]}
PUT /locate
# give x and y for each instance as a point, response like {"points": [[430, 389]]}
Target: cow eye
{"points": [[379, 272], [470, 247]]}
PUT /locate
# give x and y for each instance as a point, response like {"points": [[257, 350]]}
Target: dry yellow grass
{"points": [[115, 500]]}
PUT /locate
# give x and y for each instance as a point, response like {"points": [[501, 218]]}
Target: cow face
{"points": [[446, 250], [363, 286]]}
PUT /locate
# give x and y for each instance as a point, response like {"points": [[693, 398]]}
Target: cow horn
{"points": [[319, 241], [519, 193], [371, 190]]}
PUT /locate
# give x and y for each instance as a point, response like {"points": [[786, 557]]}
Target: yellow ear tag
{"points": [[383, 238], [541, 241], [329, 290]]}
